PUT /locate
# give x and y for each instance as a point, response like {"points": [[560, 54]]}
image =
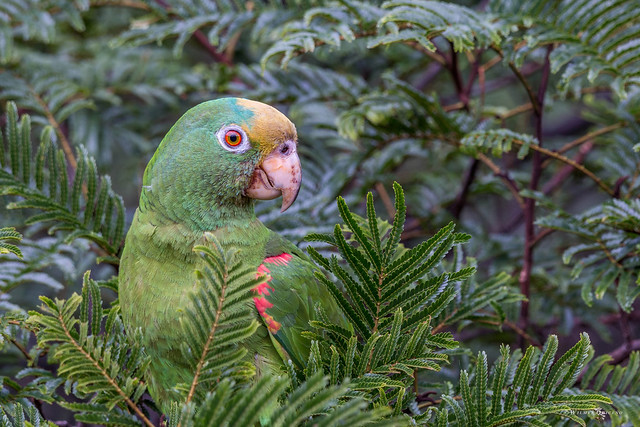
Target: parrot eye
{"points": [[233, 138]]}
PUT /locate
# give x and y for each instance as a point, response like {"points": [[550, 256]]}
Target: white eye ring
{"points": [[235, 130]]}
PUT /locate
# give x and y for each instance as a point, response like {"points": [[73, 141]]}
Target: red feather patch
{"points": [[261, 302], [282, 259]]}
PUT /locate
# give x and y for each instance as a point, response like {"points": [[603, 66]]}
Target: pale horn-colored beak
{"points": [[279, 174]]}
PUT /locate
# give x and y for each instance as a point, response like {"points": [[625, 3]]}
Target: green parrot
{"points": [[204, 177]]}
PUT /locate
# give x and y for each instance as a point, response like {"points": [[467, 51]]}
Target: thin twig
{"points": [[457, 77], [522, 333], [515, 111], [123, 3], [388, 204], [594, 134], [558, 179], [491, 63], [20, 347], [455, 106], [219, 57], [621, 353], [200, 37], [530, 203], [497, 171], [64, 142], [568, 161], [586, 138], [624, 327], [541, 235], [532, 96], [432, 55], [461, 198], [475, 70], [561, 176]]}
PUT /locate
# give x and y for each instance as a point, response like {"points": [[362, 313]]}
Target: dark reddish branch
{"points": [[554, 183], [557, 180], [202, 39], [625, 327], [475, 67], [454, 68], [461, 198], [530, 204], [430, 74], [463, 95], [219, 57], [621, 353], [560, 177]]}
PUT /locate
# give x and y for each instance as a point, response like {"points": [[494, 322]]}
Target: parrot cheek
{"points": [[278, 174], [260, 187]]}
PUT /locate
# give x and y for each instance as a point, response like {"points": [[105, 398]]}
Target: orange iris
{"points": [[233, 138]]}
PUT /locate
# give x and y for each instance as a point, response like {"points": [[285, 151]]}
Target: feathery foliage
{"points": [[9, 233], [516, 120], [86, 206], [610, 256], [313, 402], [220, 304], [95, 364], [525, 388], [391, 297], [616, 382]]}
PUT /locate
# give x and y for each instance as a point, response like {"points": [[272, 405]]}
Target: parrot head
{"points": [[217, 158]]}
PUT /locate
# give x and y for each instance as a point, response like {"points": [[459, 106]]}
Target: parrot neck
{"points": [[166, 235], [197, 214]]}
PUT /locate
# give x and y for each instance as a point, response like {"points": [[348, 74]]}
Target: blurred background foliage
{"points": [[519, 120]]}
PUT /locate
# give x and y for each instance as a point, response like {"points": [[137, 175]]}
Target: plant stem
{"points": [[621, 353], [530, 203], [20, 347], [205, 349], [388, 204], [516, 110], [535, 101], [589, 136], [568, 161], [202, 39], [504, 175], [561, 176], [461, 198], [64, 142]]}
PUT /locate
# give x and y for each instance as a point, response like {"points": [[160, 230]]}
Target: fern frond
{"points": [[596, 45], [94, 363], [102, 221], [610, 256], [22, 414], [220, 317], [538, 391], [419, 21], [10, 233], [34, 20], [617, 384], [498, 141]]}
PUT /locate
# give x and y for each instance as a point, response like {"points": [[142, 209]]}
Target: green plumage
{"points": [[192, 185]]}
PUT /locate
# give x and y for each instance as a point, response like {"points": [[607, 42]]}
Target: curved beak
{"points": [[279, 174]]}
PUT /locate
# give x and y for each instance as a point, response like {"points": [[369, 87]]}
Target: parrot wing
{"points": [[286, 300]]}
